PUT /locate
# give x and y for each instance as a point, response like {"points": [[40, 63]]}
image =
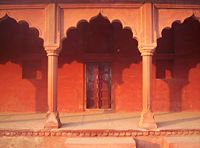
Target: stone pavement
{"points": [[97, 120]]}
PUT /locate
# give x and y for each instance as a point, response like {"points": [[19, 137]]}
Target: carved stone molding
{"points": [[100, 133]]}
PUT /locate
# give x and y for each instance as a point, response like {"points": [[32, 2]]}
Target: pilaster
{"points": [[52, 24], [147, 23], [52, 48]]}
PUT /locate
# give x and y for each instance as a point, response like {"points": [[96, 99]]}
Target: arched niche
{"points": [[177, 54], [23, 62], [100, 41]]}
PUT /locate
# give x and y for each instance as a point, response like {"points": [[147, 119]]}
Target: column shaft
{"points": [[147, 82], [147, 120], [52, 83], [52, 118]]}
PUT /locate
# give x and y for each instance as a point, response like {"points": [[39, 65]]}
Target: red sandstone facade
{"points": [[153, 50]]}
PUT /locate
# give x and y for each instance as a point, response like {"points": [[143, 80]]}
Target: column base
{"points": [[147, 121], [52, 120]]}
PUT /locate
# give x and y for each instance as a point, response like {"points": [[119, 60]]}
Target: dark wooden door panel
{"points": [[98, 85], [92, 73], [105, 84]]}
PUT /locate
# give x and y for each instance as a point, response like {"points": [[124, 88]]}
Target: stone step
{"points": [[110, 142], [181, 142], [63, 142]]}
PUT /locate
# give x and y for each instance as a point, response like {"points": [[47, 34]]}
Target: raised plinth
{"points": [[52, 120], [147, 121]]}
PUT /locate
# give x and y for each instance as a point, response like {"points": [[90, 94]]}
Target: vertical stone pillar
{"points": [[147, 120], [52, 118]]}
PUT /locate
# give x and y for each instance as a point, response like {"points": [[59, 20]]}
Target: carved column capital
{"points": [[52, 50], [147, 49]]}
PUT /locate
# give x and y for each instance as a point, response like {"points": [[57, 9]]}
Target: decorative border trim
{"points": [[99, 133], [177, 6], [89, 6], [22, 6]]}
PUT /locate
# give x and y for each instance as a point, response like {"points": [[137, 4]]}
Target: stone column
{"points": [[52, 118], [147, 120]]}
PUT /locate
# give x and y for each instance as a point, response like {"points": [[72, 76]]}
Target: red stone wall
{"points": [[21, 95], [70, 87], [125, 93]]}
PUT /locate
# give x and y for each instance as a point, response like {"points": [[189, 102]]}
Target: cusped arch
{"points": [[17, 39], [100, 40], [180, 38], [99, 36], [181, 41], [178, 52], [26, 20]]}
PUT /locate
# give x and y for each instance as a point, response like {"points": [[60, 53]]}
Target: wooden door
{"points": [[98, 79]]}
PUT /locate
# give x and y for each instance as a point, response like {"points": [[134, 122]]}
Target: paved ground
{"points": [[117, 121]]}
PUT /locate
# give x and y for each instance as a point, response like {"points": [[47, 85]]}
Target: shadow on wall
{"points": [[178, 51], [21, 45], [101, 41]]}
